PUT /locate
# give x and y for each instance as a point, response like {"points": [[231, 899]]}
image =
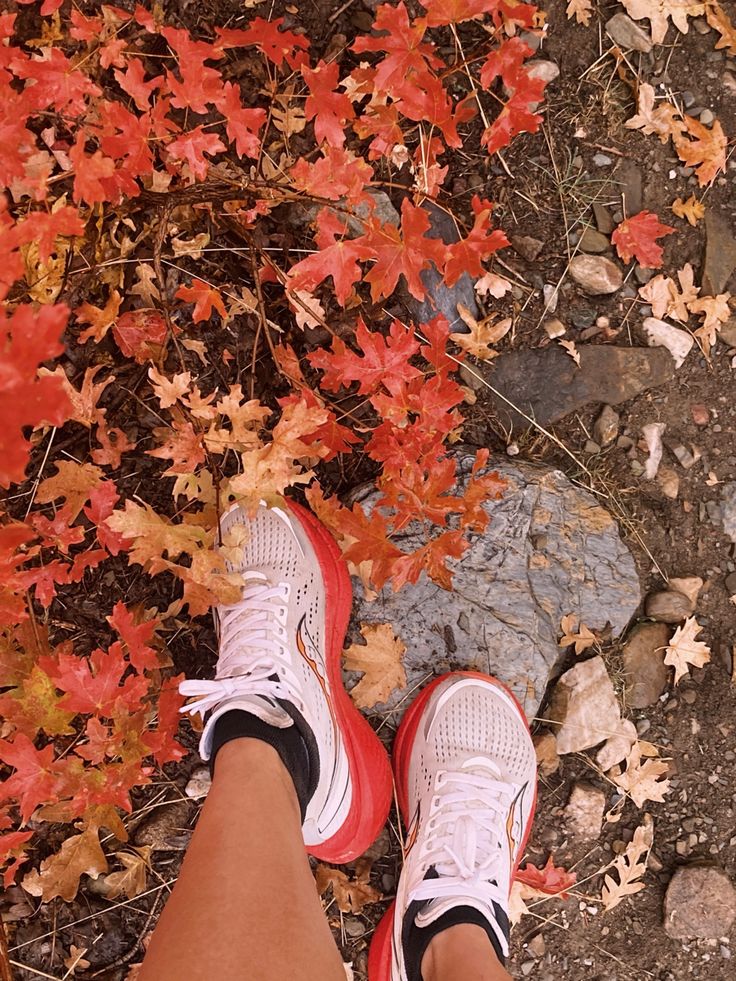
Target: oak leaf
{"points": [[59, 874], [130, 881], [380, 660], [630, 867], [684, 651], [572, 350], [637, 237], [581, 636], [351, 895], [482, 334], [659, 12], [643, 781], [691, 210], [702, 148], [581, 10], [719, 20]]}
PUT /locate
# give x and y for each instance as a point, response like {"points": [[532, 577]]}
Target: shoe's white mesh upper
{"points": [[471, 777], [276, 548]]}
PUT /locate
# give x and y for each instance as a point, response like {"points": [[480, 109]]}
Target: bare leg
{"points": [[245, 907], [462, 953]]}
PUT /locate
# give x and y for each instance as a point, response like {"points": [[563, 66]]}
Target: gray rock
{"points": [[728, 509], [547, 385], [527, 246], [605, 428], [700, 903], [593, 241], [584, 810], [543, 69], [627, 34], [602, 160], [720, 253], [603, 220], [706, 117], [629, 177], [730, 584], [549, 548], [596, 274], [441, 298], [668, 606], [645, 672]]}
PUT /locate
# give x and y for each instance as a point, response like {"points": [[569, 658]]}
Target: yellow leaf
{"points": [[691, 210], [684, 650], [59, 874], [72, 482], [380, 660]]}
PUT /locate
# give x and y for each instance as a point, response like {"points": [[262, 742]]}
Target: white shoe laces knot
{"points": [[466, 839], [254, 654]]}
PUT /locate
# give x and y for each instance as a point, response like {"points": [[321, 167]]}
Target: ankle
{"points": [[242, 761], [463, 951]]}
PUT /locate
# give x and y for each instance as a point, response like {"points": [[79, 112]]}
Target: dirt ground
{"points": [[549, 195]]}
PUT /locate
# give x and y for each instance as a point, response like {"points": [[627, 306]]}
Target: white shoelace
{"points": [[466, 843], [254, 653]]}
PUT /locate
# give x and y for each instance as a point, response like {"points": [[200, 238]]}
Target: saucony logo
{"points": [[514, 820]]}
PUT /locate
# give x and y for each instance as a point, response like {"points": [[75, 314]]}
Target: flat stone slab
{"points": [[550, 549]]}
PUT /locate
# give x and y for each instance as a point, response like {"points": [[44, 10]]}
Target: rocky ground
{"points": [[582, 532]]}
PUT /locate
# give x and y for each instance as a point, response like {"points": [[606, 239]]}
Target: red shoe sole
{"points": [[380, 953], [370, 769]]}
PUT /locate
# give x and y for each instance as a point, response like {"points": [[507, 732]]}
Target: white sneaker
{"points": [[466, 777], [279, 660]]}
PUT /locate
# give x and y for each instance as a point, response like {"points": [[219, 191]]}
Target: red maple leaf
{"points": [[95, 685], [160, 741], [43, 227], [102, 501], [443, 12], [56, 83], [551, 879], [242, 125], [204, 297], [407, 57], [33, 781], [338, 173], [90, 172], [467, 255], [637, 236], [27, 338], [383, 360], [337, 257], [277, 45], [406, 252], [133, 83], [431, 558], [136, 636], [200, 84], [192, 147], [330, 110], [525, 92], [140, 333]]}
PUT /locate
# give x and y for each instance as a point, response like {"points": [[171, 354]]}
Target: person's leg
{"points": [[294, 763], [462, 953], [245, 907], [465, 770]]}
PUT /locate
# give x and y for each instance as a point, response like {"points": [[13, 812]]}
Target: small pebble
{"points": [[601, 160], [706, 117]]}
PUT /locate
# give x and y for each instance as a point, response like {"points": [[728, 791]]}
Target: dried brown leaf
{"points": [[380, 660], [684, 650], [630, 867]]}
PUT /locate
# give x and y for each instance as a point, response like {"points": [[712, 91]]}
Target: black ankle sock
{"points": [[416, 939], [289, 743]]}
